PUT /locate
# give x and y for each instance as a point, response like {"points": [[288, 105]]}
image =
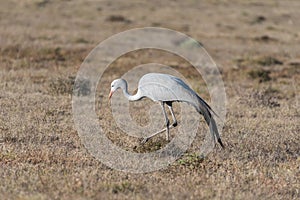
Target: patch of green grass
{"points": [[81, 40], [191, 160], [7, 156], [152, 145]]}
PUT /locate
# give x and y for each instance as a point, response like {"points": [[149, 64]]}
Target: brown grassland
{"points": [[254, 43]]}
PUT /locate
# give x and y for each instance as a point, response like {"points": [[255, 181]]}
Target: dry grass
{"points": [[256, 45]]}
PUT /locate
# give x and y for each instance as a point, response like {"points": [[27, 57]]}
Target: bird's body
{"points": [[162, 87], [166, 89]]}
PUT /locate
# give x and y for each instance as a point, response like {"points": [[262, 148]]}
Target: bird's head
{"points": [[116, 84]]}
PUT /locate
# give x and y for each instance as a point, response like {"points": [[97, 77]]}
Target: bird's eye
{"points": [[112, 86]]}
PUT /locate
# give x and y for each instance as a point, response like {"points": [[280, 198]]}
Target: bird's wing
{"points": [[163, 87]]}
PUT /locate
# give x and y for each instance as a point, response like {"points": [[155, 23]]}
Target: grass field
{"points": [[254, 43]]}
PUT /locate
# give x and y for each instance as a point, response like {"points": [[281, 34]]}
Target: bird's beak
{"points": [[110, 94]]}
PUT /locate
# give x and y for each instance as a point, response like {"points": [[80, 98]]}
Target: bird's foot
{"points": [[144, 140], [168, 139]]}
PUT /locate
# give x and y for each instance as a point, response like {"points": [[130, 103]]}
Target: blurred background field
{"points": [[254, 43]]}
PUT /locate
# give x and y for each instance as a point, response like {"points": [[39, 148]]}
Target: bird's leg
{"points": [[154, 134], [172, 113], [165, 129], [167, 121]]}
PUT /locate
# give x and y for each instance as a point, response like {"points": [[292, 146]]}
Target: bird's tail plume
{"points": [[206, 111], [214, 131]]}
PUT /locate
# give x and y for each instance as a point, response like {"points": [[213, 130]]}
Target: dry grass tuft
{"points": [[261, 74], [62, 85]]}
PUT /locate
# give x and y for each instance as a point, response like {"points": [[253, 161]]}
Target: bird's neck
{"points": [[130, 97]]}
